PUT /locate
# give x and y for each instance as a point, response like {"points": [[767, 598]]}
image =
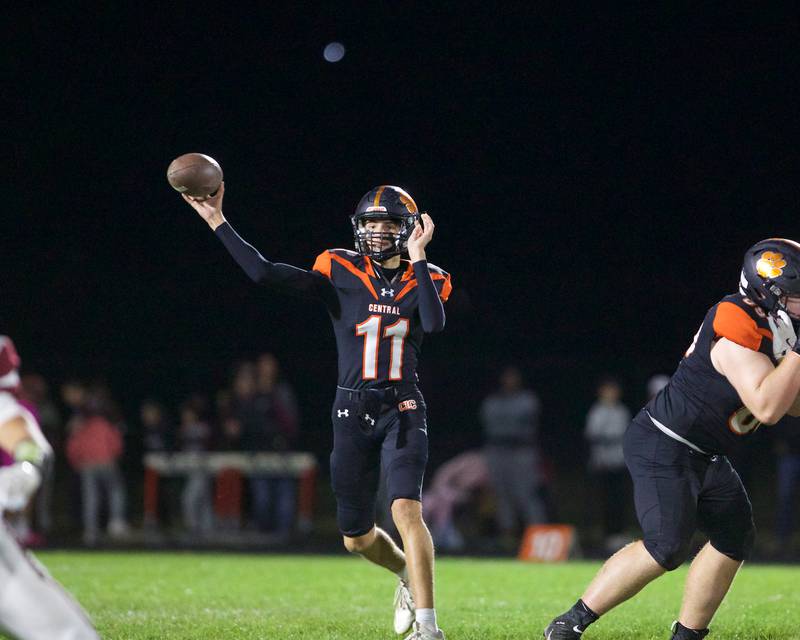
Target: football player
{"points": [[380, 306], [33, 606], [741, 371]]}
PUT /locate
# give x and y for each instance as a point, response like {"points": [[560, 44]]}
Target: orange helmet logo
{"points": [[409, 202], [770, 265]]}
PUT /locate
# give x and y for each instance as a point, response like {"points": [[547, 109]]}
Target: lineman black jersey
{"points": [[699, 405], [378, 328], [378, 323]]}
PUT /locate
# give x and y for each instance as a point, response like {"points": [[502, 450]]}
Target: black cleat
{"points": [[679, 632], [572, 624], [564, 628]]}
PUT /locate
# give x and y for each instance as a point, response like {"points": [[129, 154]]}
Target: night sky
{"points": [[595, 179]]}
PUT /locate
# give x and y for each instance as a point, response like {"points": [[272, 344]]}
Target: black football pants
{"points": [[678, 491], [397, 442]]}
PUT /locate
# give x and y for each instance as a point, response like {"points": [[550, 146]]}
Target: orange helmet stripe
{"points": [[377, 201]]}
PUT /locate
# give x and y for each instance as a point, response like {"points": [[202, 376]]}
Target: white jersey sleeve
{"points": [[10, 408]]}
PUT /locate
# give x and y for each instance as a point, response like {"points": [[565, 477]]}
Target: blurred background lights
{"points": [[333, 52]]}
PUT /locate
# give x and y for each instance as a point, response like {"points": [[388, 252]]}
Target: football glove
{"points": [[18, 483]]}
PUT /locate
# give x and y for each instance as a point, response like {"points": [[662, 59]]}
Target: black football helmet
{"points": [[771, 271], [381, 203]]}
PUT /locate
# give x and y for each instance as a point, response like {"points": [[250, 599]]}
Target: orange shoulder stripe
{"points": [[408, 273], [444, 294], [735, 324], [405, 290], [356, 272], [370, 270], [323, 264], [447, 287]]}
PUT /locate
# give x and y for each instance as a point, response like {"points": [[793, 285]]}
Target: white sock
{"points": [[403, 574], [427, 618]]}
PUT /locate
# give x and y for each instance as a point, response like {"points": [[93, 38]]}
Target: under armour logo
{"points": [[343, 413], [370, 419], [388, 293]]}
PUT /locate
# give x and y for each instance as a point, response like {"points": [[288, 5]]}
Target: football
{"points": [[194, 174]]}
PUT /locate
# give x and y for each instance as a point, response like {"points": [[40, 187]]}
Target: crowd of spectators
{"points": [[493, 491], [257, 413]]}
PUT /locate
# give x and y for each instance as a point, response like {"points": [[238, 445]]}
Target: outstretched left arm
{"points": [[431, 309]]}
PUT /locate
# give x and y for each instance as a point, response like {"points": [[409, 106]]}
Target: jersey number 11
{"points": [[371, 330]]}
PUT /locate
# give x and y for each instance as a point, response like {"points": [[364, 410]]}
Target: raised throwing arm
{"points": [[280, 276]]}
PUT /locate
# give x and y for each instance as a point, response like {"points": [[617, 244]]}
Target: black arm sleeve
{"points": [[284, 277], [431, 309]]}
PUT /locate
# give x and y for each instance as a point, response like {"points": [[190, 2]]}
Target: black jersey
{"points": [[379, 323], [699, 405], [378, 327]]}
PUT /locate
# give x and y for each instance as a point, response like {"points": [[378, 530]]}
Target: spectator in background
{"points": [[94, 447], [73, 397], [228, 481], [157, 437], [274, 429], [194, 436], [510, 419], [230, 428], [606, 423], [787, 448], [156, 432], [277, 402], [36, 391], [655, 384], [73, 394], [241, 404]]}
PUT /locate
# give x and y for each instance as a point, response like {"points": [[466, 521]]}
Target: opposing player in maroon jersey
{"points": [[33, 606], [741, 371], [380, 306]]}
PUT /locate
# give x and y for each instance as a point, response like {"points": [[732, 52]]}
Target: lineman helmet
{"points": [[771, 272]]}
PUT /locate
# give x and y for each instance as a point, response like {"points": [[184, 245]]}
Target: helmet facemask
{"points": [[381, 245], [769, 296]]}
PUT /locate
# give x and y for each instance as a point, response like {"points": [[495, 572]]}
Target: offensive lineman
{"points": [[741, 371], [380, 307], [33, 606]]}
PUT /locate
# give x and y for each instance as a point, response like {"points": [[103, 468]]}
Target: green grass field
{"points": [[186, 595]]}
